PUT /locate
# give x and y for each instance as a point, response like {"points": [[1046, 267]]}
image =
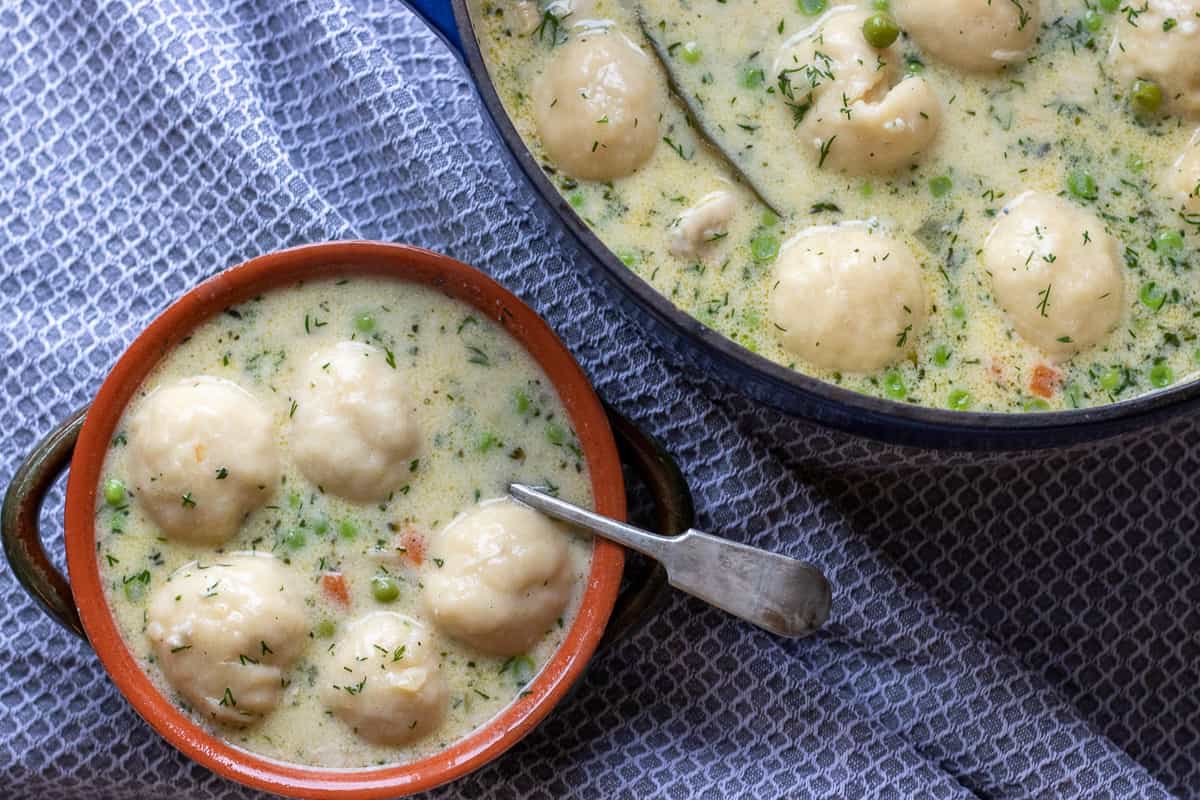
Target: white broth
{"points": [[929, 142], [259, 632]]}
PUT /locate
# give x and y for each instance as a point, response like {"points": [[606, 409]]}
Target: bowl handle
{"points": [[19, 523], [646, 582]]}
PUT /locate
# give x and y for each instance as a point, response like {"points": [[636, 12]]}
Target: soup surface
{"points": [[966, 204], [297, 575]]}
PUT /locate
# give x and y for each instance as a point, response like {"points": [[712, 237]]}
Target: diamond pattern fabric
{"points": [[1005, 626]]}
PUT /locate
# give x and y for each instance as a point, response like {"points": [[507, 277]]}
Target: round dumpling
{"points": [[860, 119], [847, 297], [597, 107], [1183, 178], [353, 432], [203, 454], [834, 52], [1056, 272], [977, 35], [384, 681], [501, 576], [1148, 47], [224, 632]]}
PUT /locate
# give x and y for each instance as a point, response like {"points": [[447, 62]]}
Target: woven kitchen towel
{"points": [[1016, 627]]}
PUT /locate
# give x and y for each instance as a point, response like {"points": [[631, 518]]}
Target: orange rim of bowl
{"points": [[279, 270]]}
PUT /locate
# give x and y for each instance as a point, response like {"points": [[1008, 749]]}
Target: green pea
{"points": [[959, 311], [1110, 5], [1036, 404], [576, 199], [325, 629], [941, 356], [522, 668], [1093, 20], [880, 30], [295, 538], [812, 8], [1135, 163], [294, 500], [319, 525], [114, 492], [628, 257], [521, 402], [1082, 185], [1111, 379], [1152, 296], [1168, 241], [893, 384], [384, 589], [941, 185], [555, 433], [913, 67], [1074, 394], [1161, 375], [487, 440], [764, 247], [347, 529], [135, 586], [769, 219], [752, 78], [1146, 96], [866, 190], [881, 5], [364, 323], [959, 400], [690, 52]]}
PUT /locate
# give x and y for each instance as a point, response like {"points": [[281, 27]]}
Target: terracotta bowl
{"points": [[85, 596]]}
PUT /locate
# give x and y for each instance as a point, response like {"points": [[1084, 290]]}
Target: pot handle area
{"points": [[19, 523], [439, 15], [645, 581]]}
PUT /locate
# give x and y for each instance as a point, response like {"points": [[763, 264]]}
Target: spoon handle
{"points": [[780, 594]]}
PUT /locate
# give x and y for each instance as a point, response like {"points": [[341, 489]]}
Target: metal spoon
{"points": [[780, 594]]}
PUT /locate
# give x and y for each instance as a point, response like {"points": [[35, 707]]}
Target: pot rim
{"points": [[794, 392], [236, 285]]}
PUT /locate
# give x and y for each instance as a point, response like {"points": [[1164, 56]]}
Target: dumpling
{"points": [[858, 118], [225, 631], [701, 223], [497, 577], [847, 297], [353, 432], [384, 681], [875, 136], [1183, 178], [1147, 47], [597, 107], [1056, 272], [976, 35], [203, 454]]}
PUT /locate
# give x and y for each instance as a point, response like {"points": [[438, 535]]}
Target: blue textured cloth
{"points": [[1008, 627]]}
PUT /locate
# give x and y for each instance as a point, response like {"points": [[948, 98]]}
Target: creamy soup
{"points": [[301, 533], [974, 204]]}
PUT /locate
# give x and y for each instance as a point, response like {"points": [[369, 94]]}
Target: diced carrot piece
{"points": [[334, 586], [413, 542], [1043, 381]]}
